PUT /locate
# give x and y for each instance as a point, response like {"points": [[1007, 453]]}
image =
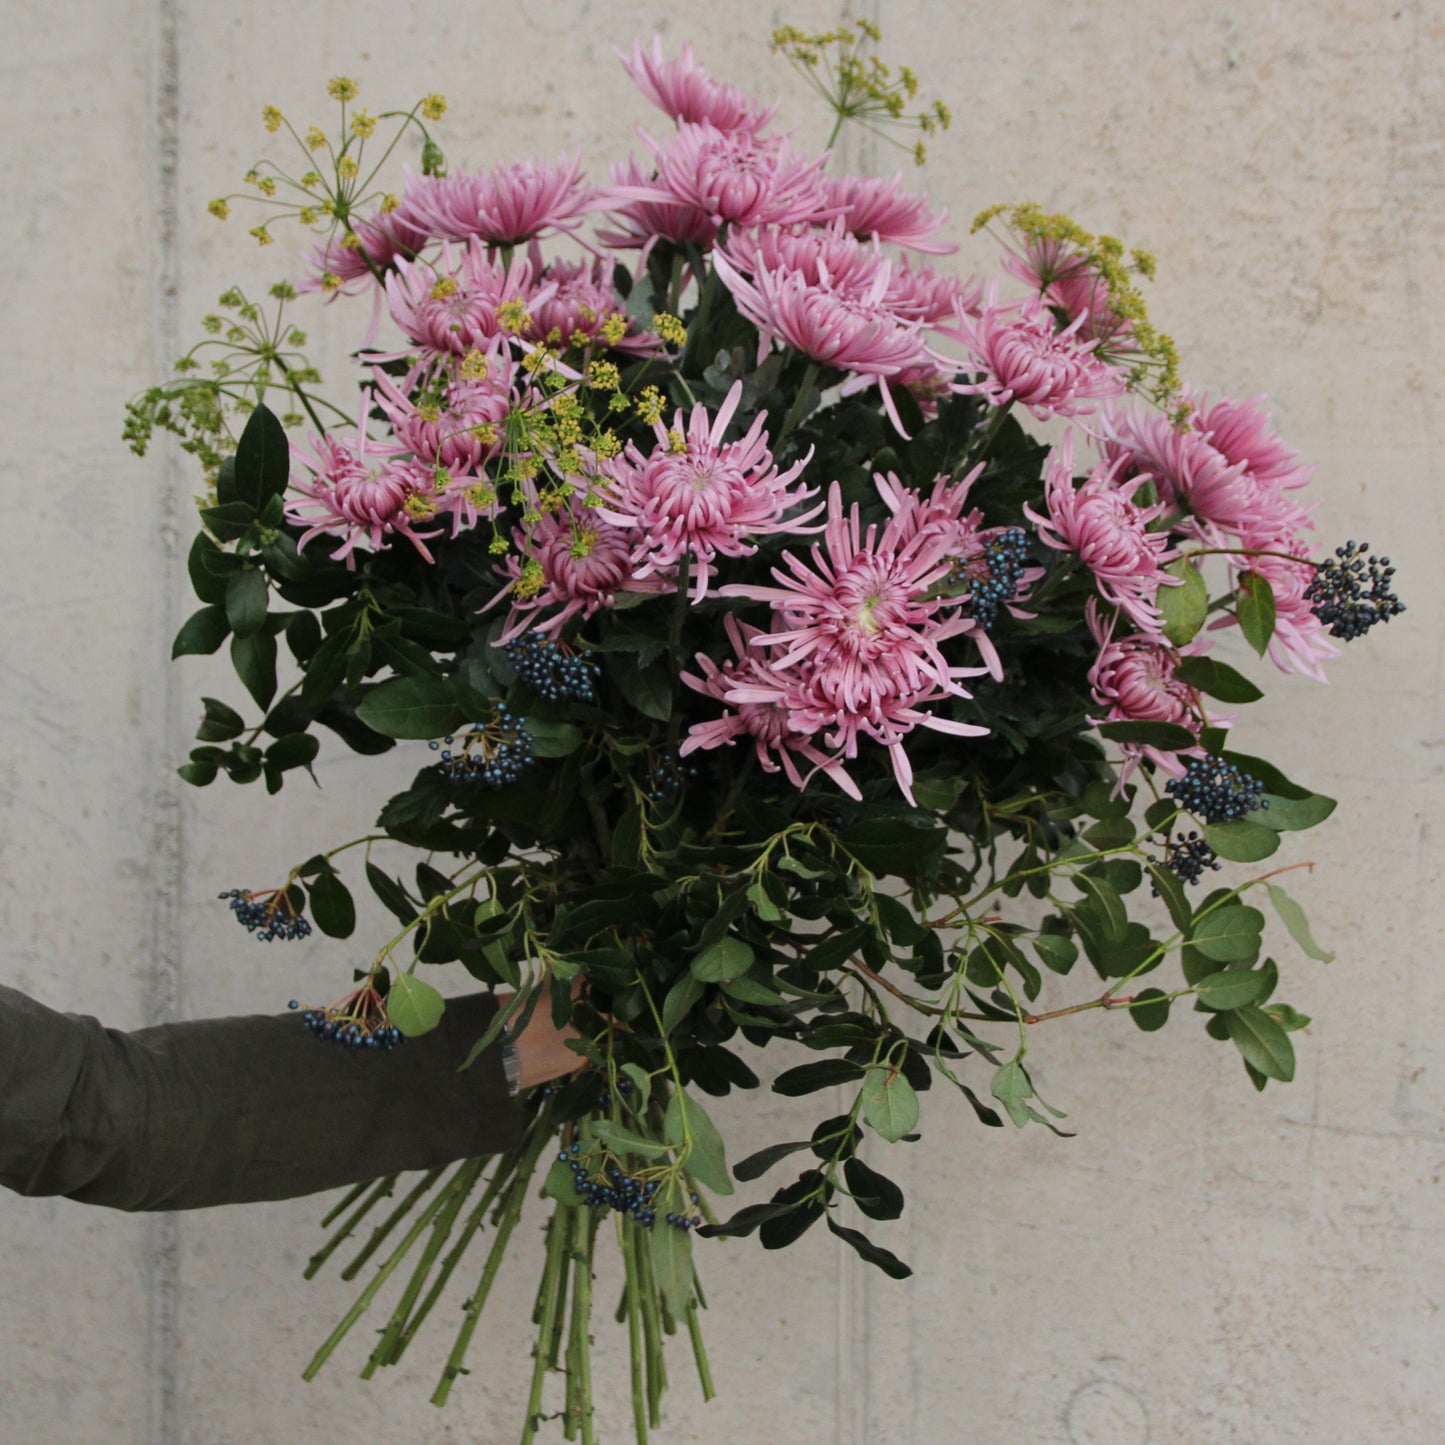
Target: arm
{"points": [[224, 1111]]}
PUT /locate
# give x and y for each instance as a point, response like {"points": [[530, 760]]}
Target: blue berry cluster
{"points": [[1217, 791], [1350, 592], [494, 754], [996, 572], [348, 1031], [1187, 856], [623, 1192], [669, 777], [552, 670], [275, 918]]}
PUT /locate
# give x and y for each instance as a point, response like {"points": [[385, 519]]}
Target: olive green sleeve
{"points": [[227, 1111]]}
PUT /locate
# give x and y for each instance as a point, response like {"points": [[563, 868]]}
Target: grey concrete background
{"points": [[1200, 1265]]}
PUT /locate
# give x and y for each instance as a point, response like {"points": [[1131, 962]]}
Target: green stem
{"points": [[699, 1352], [379, 1234], [516, 1199], [455, 1195], [796, 411], [382, 1188], [551, 1272], [579, 1345], [632, 1293]]}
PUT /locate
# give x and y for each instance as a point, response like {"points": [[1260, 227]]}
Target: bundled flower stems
{"points": [[766, 682]]}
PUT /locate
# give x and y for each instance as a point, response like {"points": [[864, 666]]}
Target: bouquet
{"points": [[769, 683]]}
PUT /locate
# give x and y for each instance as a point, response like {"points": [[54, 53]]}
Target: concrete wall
{"points": [[1200, 1264]]}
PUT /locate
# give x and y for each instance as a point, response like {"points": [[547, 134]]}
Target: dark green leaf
{"points": [[1263, 1043], [648, 689], [1267, 775], [553, 739], [1167, 737], [821, 1074], [294, 750], [875, 1254], [1217, 679], [1241, 841], [1056, 951], [197, 774], [390, 892], [756, 1165], [1231, 988], [728, 958], [411, 707], [1107, 901], [1169, 887], [624, 1141], [303, 636], [220, 723], [1150, 1009], [898, 920], [332, 906], [263, 459], [202, 632], [254, 659], [326, 670], [229, 521], [746, 1220], [1293, 815], [838, 950], [203, 564], [413, 1006], [878, 1197], [1254, 605], [1229, 934], [681, 998]]}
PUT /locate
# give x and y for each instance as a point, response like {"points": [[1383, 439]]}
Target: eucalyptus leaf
{"points": [[1293, 917], [413, 1006], [889, 1103]]}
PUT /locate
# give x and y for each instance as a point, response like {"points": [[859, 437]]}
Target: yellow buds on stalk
{"points": [[670, 328], [219, 209], [271, 118], [434, 106], [342, 88]]}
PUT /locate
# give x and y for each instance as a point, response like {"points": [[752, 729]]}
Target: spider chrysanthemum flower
{"points": [[1300, 642], [699, 497], [1026, 358], [642, 223], [732, 175], [682, 89], [457, 304], [462, 429], [1220, 493], [876, 210], [768, 704], [362, 490], [506, 206], [1108, 530], [861, 634], [579, 305], [571, 562]]}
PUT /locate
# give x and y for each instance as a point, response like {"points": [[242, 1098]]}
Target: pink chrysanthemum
{"points": [[1132, 680], [862, 612], [362, 490], [1066, 281], [682, 89], [643, 223], [698, 497], [580, 303], [1242, 433], [770, 706], [453, 306], [1219, 494], [874, 210], [444, 431], [732, 176], [1300, 642], [1109, 531], [385, 239], [581, 563], [855, 331], [506, 206], [1026, 358]]}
